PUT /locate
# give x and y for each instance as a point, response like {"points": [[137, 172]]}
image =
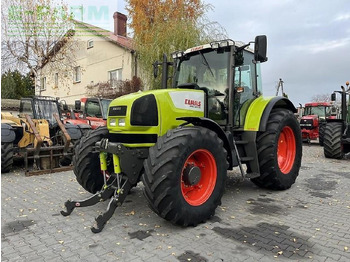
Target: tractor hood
{"points": [[152, 113]]}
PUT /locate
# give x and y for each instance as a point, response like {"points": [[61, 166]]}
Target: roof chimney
{"points": [[119, 24]]}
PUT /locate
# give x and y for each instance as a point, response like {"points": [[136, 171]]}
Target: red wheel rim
{"points": [[286, 150], [199, 193]]}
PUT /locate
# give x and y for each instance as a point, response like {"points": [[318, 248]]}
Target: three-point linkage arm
{"points": [[119, 183]]}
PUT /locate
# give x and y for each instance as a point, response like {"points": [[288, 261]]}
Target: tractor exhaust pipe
{"points": [[165, 71]]}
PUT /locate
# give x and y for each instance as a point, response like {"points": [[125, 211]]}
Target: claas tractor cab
{"points": [[180, 141], [38, 135], [337, 131], [313, 121], [94, 112]]}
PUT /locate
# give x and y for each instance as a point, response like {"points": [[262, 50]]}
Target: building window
{"points": [[115, 76], [90, 44], [56, 80], [77, 74], [43, 83]]}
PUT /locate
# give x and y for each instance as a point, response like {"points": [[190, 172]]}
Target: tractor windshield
{"points": [[206, 68], [45, 109], [320, 111], [209, 70]]}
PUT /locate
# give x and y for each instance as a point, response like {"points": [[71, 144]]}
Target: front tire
{"points": [[185, 175], [279, 151], [332, 140], [86, 161], [6, 157]]}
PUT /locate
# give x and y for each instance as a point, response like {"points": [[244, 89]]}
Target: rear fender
{"points": [[260, 109]]}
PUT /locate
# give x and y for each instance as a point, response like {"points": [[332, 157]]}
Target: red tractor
{"points": [[313, 120], [93, 114]]}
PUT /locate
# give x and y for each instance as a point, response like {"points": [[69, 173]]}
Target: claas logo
{"points": [[193, 103]]}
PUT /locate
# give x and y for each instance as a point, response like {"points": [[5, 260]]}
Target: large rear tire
{"points": [[86, 161], [332, 140], [6, 157], [185, 175], [279, 151]]}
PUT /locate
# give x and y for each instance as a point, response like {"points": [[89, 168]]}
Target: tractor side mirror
{"points": [[333, 97], [77, 105], [64, 105], [260, 48], [155, 69]]}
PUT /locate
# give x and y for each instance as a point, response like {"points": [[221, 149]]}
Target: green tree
{"points": [[165, 26], [14, 85]]}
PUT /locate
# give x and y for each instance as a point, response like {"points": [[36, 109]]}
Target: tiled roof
{"points": [[125, 42]]}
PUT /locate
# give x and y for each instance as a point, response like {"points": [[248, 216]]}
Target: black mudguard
{"points": [[7, 133], [73, 131]]}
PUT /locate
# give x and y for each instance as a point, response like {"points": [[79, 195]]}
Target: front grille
{"points": [[117, 111], [306, 124], [133, 138]]}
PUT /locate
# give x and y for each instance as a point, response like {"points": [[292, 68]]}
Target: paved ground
{"points": [[310, 221]]}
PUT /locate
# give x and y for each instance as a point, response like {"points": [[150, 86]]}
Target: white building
{"points": [[101, 56]]}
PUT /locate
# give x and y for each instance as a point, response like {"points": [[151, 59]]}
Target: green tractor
{"points": [[181, 141], [337, 131]]}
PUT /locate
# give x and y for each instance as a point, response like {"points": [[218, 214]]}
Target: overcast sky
{"points": [[308, 41]]}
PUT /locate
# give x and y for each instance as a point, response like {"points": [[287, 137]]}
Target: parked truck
{"points": [[94, 112]]}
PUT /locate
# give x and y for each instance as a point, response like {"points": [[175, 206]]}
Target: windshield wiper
{"points": [[207, 64]]}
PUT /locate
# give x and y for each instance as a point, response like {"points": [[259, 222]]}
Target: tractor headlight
{"points": [[113, 122], [121, 122]]}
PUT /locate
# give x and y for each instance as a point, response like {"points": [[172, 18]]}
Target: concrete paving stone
{"points": [[342, 253], [73, 258], [54, 259], [8, 250], [344, 259], [25, 249], [319, 259], [32, 256], [15, 258], [328, 259]]}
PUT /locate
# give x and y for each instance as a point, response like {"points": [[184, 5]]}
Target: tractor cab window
{"points": [[93, 109], [26, 108], [105, 104], [208, 69], [244, 86], [320, 111], [45, 110]]}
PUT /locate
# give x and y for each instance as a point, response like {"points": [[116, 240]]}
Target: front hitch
{"points": [[119, 183]]}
